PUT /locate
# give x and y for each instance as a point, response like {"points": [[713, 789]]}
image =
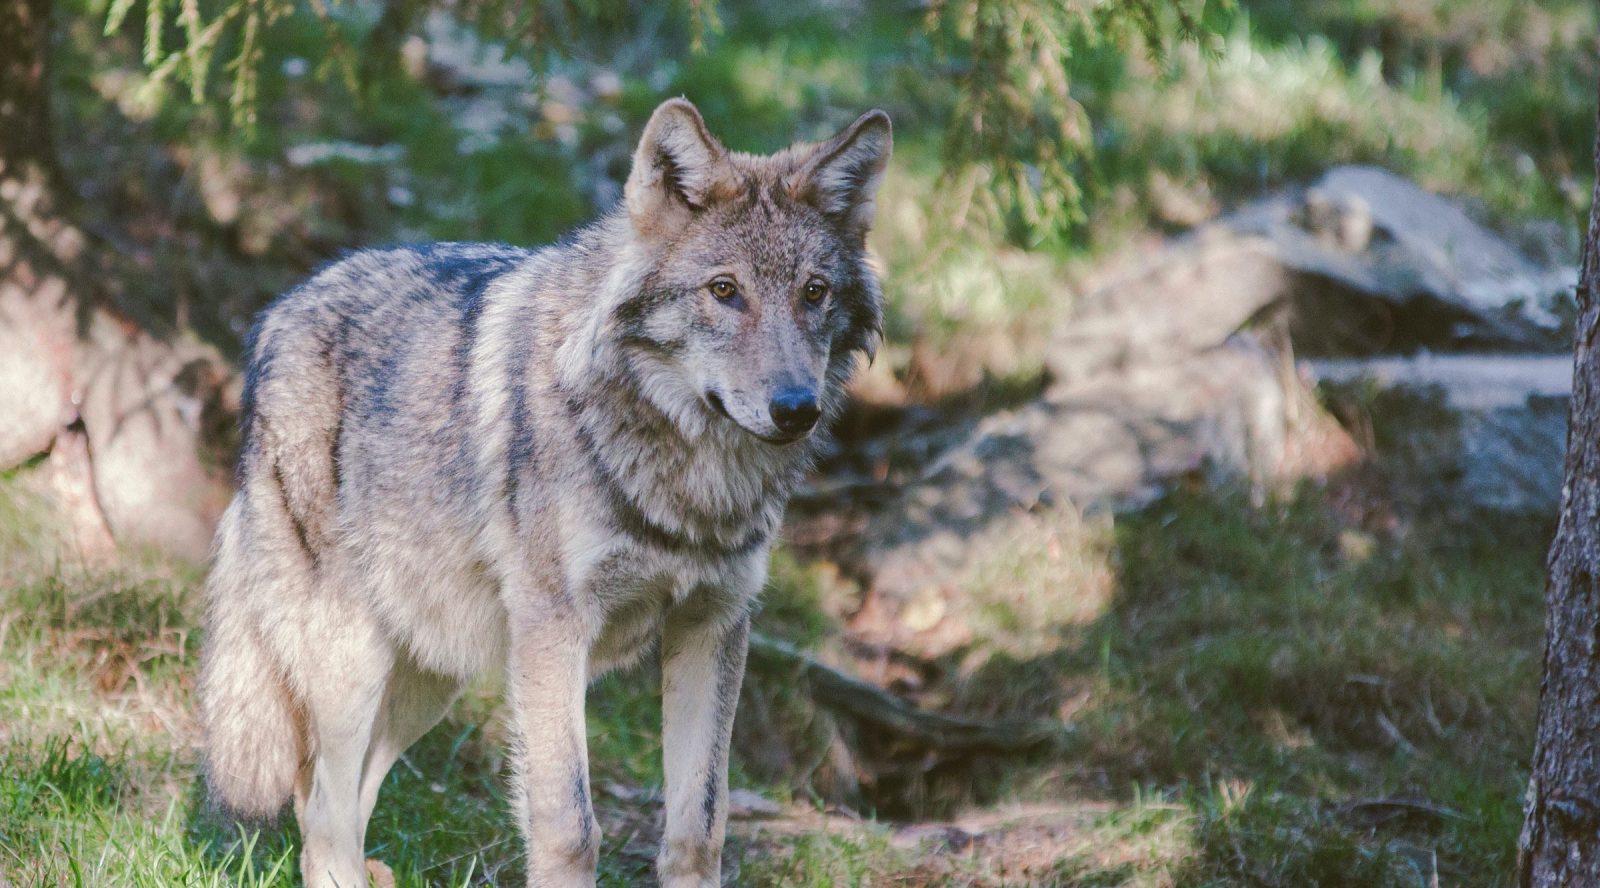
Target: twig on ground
{"points": [[1394, 806], [871, 705]]}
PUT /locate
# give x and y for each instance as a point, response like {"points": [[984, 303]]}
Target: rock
{"points": [[147, 407], [66, 481], [1342, 221], [940, 838], [1504, 443], [1192, 297], [459, 57], [1467, 382], [1412, 269], [37, 346], [1177, 203], [125, 422], [318, 153], [1511, 459], [1455, 258], [1177, 371], [622, 792], [122, 418]]}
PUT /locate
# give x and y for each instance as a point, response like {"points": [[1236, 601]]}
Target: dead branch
{"points": [[873, 706]]}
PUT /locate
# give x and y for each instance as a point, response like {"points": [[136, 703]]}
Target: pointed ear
{"points": [[841, 179], [676, 167]]}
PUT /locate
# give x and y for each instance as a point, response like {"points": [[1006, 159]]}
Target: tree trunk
{"points": [[1560, 842], [24, 96], [116, 412]]}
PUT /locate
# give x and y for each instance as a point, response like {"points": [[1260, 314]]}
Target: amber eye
{"points": [[816, 288], [724, 289]]}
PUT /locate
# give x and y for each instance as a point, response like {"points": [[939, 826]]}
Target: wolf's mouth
{"points": [[715, 400]]}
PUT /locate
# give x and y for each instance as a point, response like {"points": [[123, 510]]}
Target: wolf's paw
{"points": [[378, 874]]}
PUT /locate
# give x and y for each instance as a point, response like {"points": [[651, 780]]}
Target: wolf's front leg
{"points": [[545, 687], [702, 664]]}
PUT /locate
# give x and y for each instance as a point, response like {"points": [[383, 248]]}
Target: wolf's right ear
{"points": [[676, 168], [843, 175]]}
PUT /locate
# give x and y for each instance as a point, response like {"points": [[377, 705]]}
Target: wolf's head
{"points": [[756, 291]]}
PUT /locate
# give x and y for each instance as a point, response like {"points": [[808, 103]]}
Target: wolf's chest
{"points": [[629, 589], [628, 594]]}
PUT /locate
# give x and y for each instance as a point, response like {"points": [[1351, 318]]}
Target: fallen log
{"points": [[875, 707]]}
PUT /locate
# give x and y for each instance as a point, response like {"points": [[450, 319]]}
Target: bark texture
{"points": [[120, 416], [1560, 844]]}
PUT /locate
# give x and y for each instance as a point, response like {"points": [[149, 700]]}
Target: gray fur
{"points": [[462, 459]]}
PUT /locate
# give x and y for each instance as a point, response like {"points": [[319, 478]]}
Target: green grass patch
{"points": [[1269, 691], [1312, 670]]}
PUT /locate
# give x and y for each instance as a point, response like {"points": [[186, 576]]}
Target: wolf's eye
{"points": [[816, 288], [724, 289]]}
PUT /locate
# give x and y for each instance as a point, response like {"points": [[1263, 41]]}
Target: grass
{"points": [[1291, 702], [823, 861], [1306, 690]]}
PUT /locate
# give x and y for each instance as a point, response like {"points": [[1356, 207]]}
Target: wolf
{"points": [[468, 459]]}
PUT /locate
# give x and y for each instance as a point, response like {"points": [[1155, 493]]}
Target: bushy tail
{"points": [[254, 737]]}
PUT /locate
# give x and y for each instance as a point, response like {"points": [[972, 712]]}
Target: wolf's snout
{"points": [[794, 410]]}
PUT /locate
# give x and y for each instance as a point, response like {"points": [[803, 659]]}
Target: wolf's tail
{"points": [[254, 735]]}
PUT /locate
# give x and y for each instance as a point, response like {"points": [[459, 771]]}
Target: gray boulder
{"points": [[1178, 371], [1402, 268], [1501, 442]]}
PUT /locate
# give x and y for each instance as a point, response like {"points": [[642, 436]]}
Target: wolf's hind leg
{"points": [[413, 702], [343, 692]]}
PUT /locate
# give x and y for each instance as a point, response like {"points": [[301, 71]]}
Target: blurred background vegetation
{"points": [[1273, 695], [1030, 137]]}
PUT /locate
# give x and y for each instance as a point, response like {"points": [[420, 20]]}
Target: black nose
{"points": [[794, 410]]}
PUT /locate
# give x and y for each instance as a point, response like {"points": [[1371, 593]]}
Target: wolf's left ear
{"points": [[677, 167], [841, 179]]}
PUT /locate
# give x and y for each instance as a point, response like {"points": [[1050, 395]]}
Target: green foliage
{"points": [[1100, 132], [1271, 668], [1016, 132], [240, 25], [191, 62], [70, 816], [1011, 143]]}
